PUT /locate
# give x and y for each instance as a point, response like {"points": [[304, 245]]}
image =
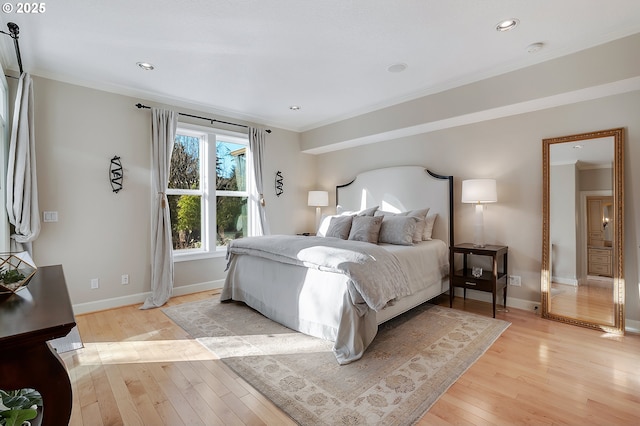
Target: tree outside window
{"points": [[197, 212]]}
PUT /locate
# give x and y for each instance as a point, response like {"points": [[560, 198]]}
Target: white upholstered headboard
{"points": [[399, 189]]}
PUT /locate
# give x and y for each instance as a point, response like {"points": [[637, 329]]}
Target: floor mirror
{"points": [[582, 279]]}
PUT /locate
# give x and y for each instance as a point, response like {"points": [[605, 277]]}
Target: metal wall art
{"points": [[279, 183], [116, 174]]}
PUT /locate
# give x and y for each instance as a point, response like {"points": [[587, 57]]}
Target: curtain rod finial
{"points": [[14, 29]]}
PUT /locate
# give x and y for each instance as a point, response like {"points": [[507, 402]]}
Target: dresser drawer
{"points": [[599, 252], [600, 269], [599, 258], [473, 283]]}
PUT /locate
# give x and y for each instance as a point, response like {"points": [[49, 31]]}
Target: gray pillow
{"points": [[420, 231], [366, 212], [365, 228], [339, 227], [420, 214], [399, 230]]}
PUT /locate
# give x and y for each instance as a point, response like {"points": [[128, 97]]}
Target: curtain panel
{"points": [[256, 147], [22, 183], [163, 134]]}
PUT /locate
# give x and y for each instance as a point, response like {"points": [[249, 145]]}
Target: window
{"points": [[208, 191]]}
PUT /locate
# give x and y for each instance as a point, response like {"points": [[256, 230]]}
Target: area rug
{"points": [[410, 364]]}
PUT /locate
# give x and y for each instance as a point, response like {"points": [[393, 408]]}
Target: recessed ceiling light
{"points": [[534, 47], [399, 67], [294, 108], [507, 24], [145, 66]]}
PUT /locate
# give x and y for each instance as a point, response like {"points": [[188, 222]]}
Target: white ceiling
{"points": [[586, 154], [253, 59]]}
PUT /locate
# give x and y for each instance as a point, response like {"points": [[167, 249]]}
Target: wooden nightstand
{"points": [[489, 281]]}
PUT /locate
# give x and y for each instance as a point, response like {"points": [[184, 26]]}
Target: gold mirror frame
{"points": [[618, 243]]}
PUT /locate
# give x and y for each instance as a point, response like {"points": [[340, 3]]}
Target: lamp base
{"points": [[478, 234], [318, 217]]}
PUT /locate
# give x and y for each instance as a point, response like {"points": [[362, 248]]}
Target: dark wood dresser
{"points": [[28, 320]]}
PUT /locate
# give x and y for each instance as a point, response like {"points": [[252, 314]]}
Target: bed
{"points": [[305, 283]]}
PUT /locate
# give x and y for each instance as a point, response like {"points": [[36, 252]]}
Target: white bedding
{"points": [[318, 302], [425, 263], [375, 274]]}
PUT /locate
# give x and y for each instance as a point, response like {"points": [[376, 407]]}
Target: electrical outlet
{"points": [[124, 279], [95, 283], [515, 280]]}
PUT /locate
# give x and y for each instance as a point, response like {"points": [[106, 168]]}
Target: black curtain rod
{"points": [[14, 30], [211, 120]]}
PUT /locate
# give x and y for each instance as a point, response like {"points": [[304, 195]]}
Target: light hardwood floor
{"points": [[139, 368], [592, 302]]}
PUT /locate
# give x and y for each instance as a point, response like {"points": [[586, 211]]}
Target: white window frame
{"points": [[209, 136]]}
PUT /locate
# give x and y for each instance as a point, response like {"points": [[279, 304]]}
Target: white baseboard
{"points": [[630, 326], [566, 281], [132, 299], [482, 296]]}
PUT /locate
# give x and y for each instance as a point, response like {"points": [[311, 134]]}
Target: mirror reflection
{"points": [[581, 282]]}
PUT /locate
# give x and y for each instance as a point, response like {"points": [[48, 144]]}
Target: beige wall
{"points": [[510, 150], [610, 68], [563, 202], [103, 235]]}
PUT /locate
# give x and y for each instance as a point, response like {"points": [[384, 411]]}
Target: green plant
{"points": [[18, 406], [10, 276]]}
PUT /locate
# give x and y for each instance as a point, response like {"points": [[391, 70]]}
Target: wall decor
{"points": [[116, 174], [279, 183]]}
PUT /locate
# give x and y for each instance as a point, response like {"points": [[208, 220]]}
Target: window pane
{"points": [[231, 168], [186, 223], [185, 163], [231, 218]]}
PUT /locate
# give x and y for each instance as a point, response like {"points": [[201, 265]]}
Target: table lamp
{"points": [[479, 192], [318, 199]]}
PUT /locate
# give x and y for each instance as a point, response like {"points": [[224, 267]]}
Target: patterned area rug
{"points": [[410, 364]]}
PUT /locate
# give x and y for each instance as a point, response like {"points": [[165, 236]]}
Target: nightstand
{"points": [[490, 281]]}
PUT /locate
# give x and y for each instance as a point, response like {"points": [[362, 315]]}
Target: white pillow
{"points": [[428, 227], [398, 230]]}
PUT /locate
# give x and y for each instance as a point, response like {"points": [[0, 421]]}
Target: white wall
{"points": [[103, 235], [510, 150]]}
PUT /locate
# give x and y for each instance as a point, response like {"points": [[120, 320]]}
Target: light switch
{"points": [[50, 216]]}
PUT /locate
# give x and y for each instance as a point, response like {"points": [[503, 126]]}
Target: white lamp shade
{"points": [[479, 191], [318, 198]]}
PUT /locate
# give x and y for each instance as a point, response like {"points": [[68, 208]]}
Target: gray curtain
{"points": [[163, 134], [256, 147], [22, 184]]}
